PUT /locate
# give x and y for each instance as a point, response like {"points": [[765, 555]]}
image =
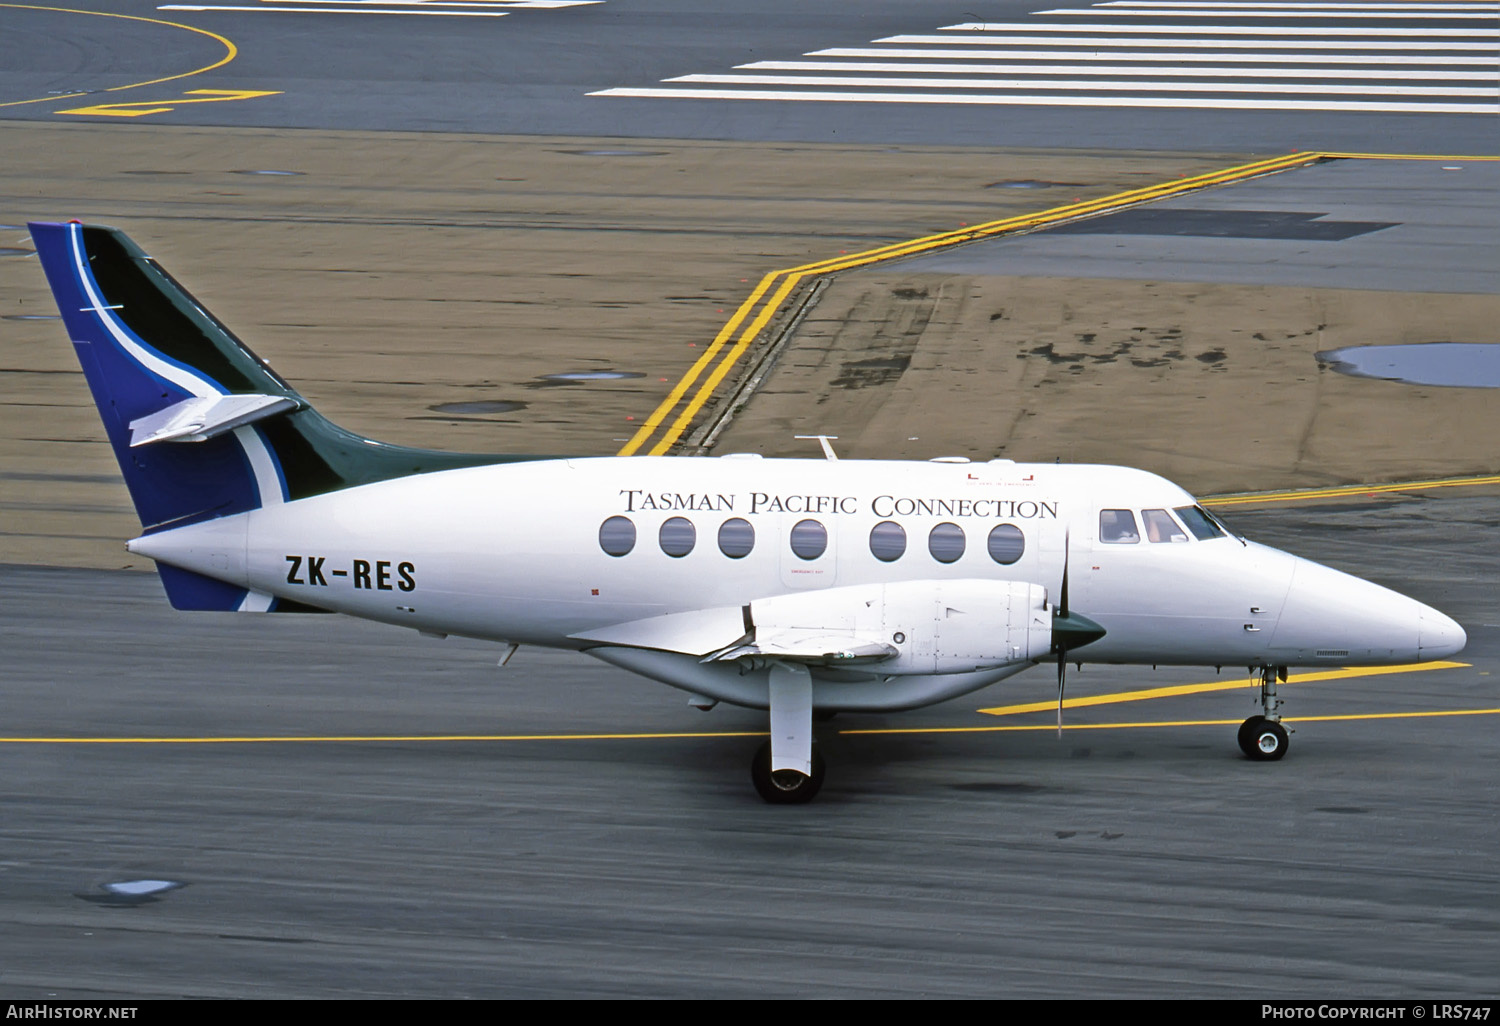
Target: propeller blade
{"points": [[1062, 598], [1069, 631], [1062, 676]]}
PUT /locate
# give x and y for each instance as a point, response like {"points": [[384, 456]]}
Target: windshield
{"points": [[1200, 521]]}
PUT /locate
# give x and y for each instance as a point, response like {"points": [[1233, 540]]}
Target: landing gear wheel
{"points": [[1262, 740], [785, 787]]}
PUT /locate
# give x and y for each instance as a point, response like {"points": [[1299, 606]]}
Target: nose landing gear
{"points": [[1263, 738]]}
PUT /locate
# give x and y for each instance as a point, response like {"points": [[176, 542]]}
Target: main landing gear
{"points": [[787, 770], [1263, 738], [785, 786]]}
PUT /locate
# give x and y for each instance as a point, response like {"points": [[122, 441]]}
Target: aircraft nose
{"points": [[1332, 616], [1439, 636]]}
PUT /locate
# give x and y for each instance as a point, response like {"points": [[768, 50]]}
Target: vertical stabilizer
{"points": [[201, 426]]}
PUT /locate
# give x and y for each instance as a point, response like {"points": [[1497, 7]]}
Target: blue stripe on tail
{"points": [[170, 484], [146, 344]]}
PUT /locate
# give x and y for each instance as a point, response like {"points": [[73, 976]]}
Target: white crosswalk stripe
{"points": [[1370, 56]]}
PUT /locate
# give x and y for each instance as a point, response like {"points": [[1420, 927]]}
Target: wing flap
{"points": [[697, 632], [808, 645]]}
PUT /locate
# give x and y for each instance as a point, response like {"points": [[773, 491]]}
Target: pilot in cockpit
{"points": [[1117, 526]]}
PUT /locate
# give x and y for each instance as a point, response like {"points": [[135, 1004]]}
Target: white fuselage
{"points": [[516, 553]]}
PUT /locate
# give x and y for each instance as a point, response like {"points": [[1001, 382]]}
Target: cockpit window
{"points": [[1117, 527], [1160, 527], [1199, 522]]}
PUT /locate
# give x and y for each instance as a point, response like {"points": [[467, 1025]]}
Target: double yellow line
{"points": [[676, 412], [1345, 491], [666, 424]]}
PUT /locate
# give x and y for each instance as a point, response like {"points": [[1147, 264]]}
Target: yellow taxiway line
{"points": [[766, 298], [752, 316], [346, 738], [230, 52], [1344, 491], [1174, 690], [1030, 707], [1015, 727]]}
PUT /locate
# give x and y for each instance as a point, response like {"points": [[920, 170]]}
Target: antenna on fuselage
{"points": [[823, 440]]}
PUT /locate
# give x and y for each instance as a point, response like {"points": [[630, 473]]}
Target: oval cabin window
{"points": [[678, 536], [736, 538], [1007, 544], [809, 539], [946, 543], [888, 541], [617, 536]]}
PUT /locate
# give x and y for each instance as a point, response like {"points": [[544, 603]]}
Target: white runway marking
{"points": [[1226, 55], [1245, 44], [1205, 103], [1232, 5], [1086, 56], [1230, 30], [1426, 15], [1113, 69], [847, 81]]}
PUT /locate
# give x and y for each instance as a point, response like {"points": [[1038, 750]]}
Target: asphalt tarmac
{"points": [[399, 818], [1127, 860]]}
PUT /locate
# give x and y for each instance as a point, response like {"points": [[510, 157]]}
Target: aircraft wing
{"points": [[807, 645], [728, 633], [696, 632]]}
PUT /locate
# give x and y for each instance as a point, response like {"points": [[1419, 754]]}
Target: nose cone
{"points": [[1439, 636], [1333, 618]]}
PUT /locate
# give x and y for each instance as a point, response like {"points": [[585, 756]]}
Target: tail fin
{"points": [[200, 425]]}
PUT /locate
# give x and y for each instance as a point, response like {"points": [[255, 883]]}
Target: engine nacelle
{"points": [[909, 627]]}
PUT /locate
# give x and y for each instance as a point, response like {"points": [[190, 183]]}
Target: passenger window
{"points": [[1117, 527], [809, 539], [1199, 522], [1160, 527], [678, 536], [946, 543], [887, 541], [1007, 544], [617, 536], [736, 538]]}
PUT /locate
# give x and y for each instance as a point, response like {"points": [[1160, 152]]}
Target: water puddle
{"points": [[1447, 364]]}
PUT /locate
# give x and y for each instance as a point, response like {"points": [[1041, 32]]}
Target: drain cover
{"points": [[479, 406], [616, 153]]}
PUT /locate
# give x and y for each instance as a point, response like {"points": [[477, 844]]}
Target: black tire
{"points": [[787, 787], [1263, 740], [1246, 736]]}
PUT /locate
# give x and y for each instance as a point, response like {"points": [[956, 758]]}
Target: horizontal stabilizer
{"points": [[203, 417]]}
